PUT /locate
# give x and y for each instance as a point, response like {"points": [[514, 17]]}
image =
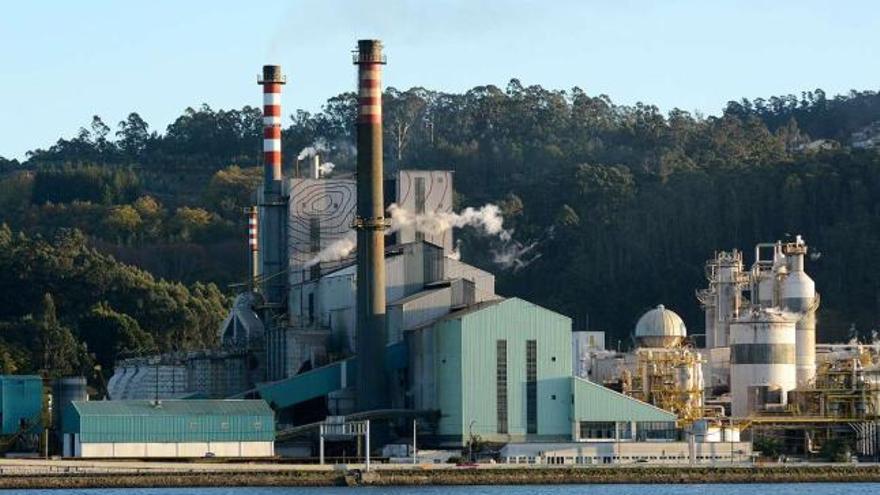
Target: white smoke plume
{"points": [[456, 251], [326, 167], [507, 252], [335, 251], [486, 219], [515, 255], [319, 146]]}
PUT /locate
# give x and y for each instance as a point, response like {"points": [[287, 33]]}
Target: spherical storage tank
{"points": [[762, 360], [660, 327]]}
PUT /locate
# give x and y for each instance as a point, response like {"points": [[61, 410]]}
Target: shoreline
{"points": [[311, 476]]}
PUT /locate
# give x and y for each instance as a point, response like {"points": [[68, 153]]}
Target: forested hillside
{"points": [[66, 307], [624, 203]]}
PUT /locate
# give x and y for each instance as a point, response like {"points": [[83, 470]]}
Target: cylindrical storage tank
{"points": [[64, 391], [762, 354], [799, 295]]}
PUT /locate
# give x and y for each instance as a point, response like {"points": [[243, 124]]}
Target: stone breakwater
{"points": [[298, 476]]}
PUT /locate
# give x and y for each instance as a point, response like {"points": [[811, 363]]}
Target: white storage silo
{"points": [[799, 296], [762, 357]]}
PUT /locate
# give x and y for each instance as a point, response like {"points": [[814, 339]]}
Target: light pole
{"points": [[471, 440], [414, 442]]}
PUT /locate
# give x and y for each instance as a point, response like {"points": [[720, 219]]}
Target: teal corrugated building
{"points": [[21, 404], [502, 370], [170, 428]]}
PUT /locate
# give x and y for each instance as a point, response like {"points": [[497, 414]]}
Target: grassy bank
{"points": [[482, 476]]}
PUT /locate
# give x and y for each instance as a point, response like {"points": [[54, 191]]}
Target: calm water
{"points": [[756, 489]]}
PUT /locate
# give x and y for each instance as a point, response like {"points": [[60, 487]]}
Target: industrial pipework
{"points": [[370, 224]]}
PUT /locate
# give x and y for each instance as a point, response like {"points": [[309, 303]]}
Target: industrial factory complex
{"points": [[357, 334]]}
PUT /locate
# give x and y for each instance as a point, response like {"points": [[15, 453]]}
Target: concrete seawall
{"points": [[230, 475]]}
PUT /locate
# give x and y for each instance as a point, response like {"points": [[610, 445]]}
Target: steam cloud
{"points": [[319, 146], [326, 167], [335, 251], [486, 219], [507, 252]]}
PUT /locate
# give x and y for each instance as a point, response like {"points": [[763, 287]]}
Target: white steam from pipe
{"points": [[325, 168], [506, 252], [486, 219], [319, 146], [335, 251]]}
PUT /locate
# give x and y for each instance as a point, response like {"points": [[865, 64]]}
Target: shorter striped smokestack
{"points": [[272, 80], [253, 244]]}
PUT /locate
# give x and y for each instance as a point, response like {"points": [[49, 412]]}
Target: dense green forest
{"points": [[624, 205], [68, 307]]}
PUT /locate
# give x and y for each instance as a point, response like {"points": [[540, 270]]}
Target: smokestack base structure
{"points": [[370, 225]]}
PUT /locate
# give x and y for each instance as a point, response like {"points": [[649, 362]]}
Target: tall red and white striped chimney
{"points": [[370, 223], [272, 225], [272, 81]]}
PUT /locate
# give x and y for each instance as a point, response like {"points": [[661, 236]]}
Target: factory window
{"points": [[624, 430], [312, 307], [531, 386], [597, 430], [501, 384], [656, 430]]}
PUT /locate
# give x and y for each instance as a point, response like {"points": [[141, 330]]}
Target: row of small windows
{"points": [[608, 459], [644, 430]]}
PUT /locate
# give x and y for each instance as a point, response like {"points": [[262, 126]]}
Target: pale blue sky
{"points": [[63, 61]]}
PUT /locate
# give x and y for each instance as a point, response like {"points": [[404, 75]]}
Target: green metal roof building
{"points": [[169, 428], [21, 404], [502, 370]]}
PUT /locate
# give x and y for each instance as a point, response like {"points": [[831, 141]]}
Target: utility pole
{"points": [[321, 444], [471, 441], [368, 445], [414, 442], [157, 382]]}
